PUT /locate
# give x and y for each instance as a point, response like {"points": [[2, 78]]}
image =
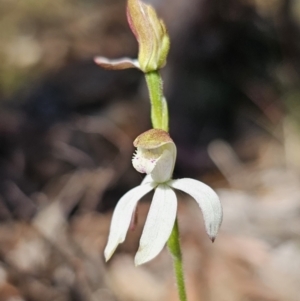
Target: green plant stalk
{"points": [[155, 86], [175, 250], [160, 120]]}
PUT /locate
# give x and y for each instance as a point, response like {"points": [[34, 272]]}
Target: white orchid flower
{"points": [[155, 156]]}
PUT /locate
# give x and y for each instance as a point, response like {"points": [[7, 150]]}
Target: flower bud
{"points": [[151, 34]]}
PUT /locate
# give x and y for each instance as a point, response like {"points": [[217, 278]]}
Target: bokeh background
{"points": [[66, 130]]}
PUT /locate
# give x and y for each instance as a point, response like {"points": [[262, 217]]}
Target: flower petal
{"points": [[122, 217], [159, 224], [208, 201], [117, 64]]}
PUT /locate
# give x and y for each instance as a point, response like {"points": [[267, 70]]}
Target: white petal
{"points": [[159, 224], [122, 217], [117, 64], [208, 201]]}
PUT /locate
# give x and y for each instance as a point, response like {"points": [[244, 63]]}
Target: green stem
{"points": [[175, 250], [160, 120], [159, 111]]}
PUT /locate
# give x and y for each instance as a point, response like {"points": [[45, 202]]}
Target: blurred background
{"points": [[66, 130]]}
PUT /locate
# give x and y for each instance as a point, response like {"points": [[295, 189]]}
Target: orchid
{"points": [[155, 156]]}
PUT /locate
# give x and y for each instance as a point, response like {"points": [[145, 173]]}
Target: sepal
{"points": [[117, 64]]}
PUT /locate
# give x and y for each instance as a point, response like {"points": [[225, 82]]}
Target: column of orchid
{"points": [[156, 155]]}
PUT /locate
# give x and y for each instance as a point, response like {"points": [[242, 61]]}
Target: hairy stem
{"points": [[159, 113], [175, 250]]}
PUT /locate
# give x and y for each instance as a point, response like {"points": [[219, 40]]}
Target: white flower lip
{"points": [[144, 161]]}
